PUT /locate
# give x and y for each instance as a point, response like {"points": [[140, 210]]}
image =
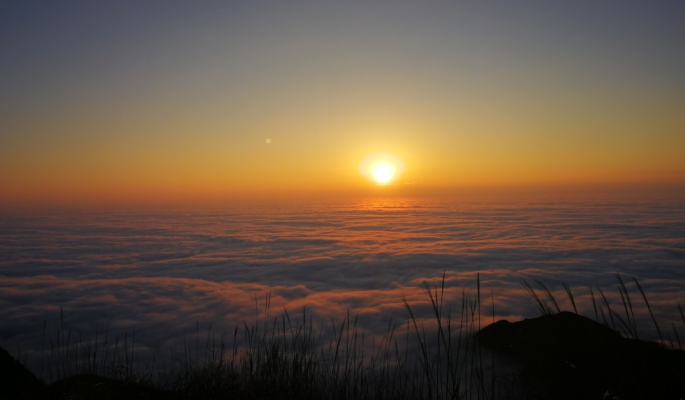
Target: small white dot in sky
{"points": [[268, 141]]}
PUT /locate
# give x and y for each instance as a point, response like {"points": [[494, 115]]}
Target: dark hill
{"points": [[568, 356], [16, 381]]}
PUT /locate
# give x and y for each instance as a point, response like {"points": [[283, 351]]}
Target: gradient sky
{"points": [[174, 101]]}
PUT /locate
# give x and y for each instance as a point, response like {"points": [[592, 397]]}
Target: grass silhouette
{"points": [[287, 357]]}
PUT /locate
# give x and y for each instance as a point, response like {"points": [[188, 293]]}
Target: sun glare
{"points": [[382, 171], [382, 168]]}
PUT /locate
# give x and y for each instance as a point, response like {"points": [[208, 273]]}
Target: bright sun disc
{"points": [[382, 171], [382, 168]]}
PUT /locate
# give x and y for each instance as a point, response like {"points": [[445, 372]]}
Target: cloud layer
{"points": [[163, 274]]}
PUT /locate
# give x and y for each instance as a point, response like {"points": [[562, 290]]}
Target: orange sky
{"points": [[150, 107]]}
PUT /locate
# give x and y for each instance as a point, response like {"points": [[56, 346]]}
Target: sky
{"points": [[170, 101]]}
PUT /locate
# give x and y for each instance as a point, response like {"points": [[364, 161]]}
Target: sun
{"points": [[382, 171], [382, 168]]}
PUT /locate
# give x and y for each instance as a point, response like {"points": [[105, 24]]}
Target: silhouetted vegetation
{"points": [[560, 355]]}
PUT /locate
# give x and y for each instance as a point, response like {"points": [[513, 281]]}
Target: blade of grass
{"points": [[569, 293], [651, 314], [549, 295], [536, 299]]}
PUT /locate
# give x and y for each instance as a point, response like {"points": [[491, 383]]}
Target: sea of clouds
{"points": [[165, 274]]}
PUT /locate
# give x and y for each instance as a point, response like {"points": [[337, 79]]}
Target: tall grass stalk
{"points": [[431, 355], [624, 321], [435, 358]]}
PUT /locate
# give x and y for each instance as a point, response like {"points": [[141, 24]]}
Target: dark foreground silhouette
{"points": [[17, 382], [568, 356], [564, 356]]}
